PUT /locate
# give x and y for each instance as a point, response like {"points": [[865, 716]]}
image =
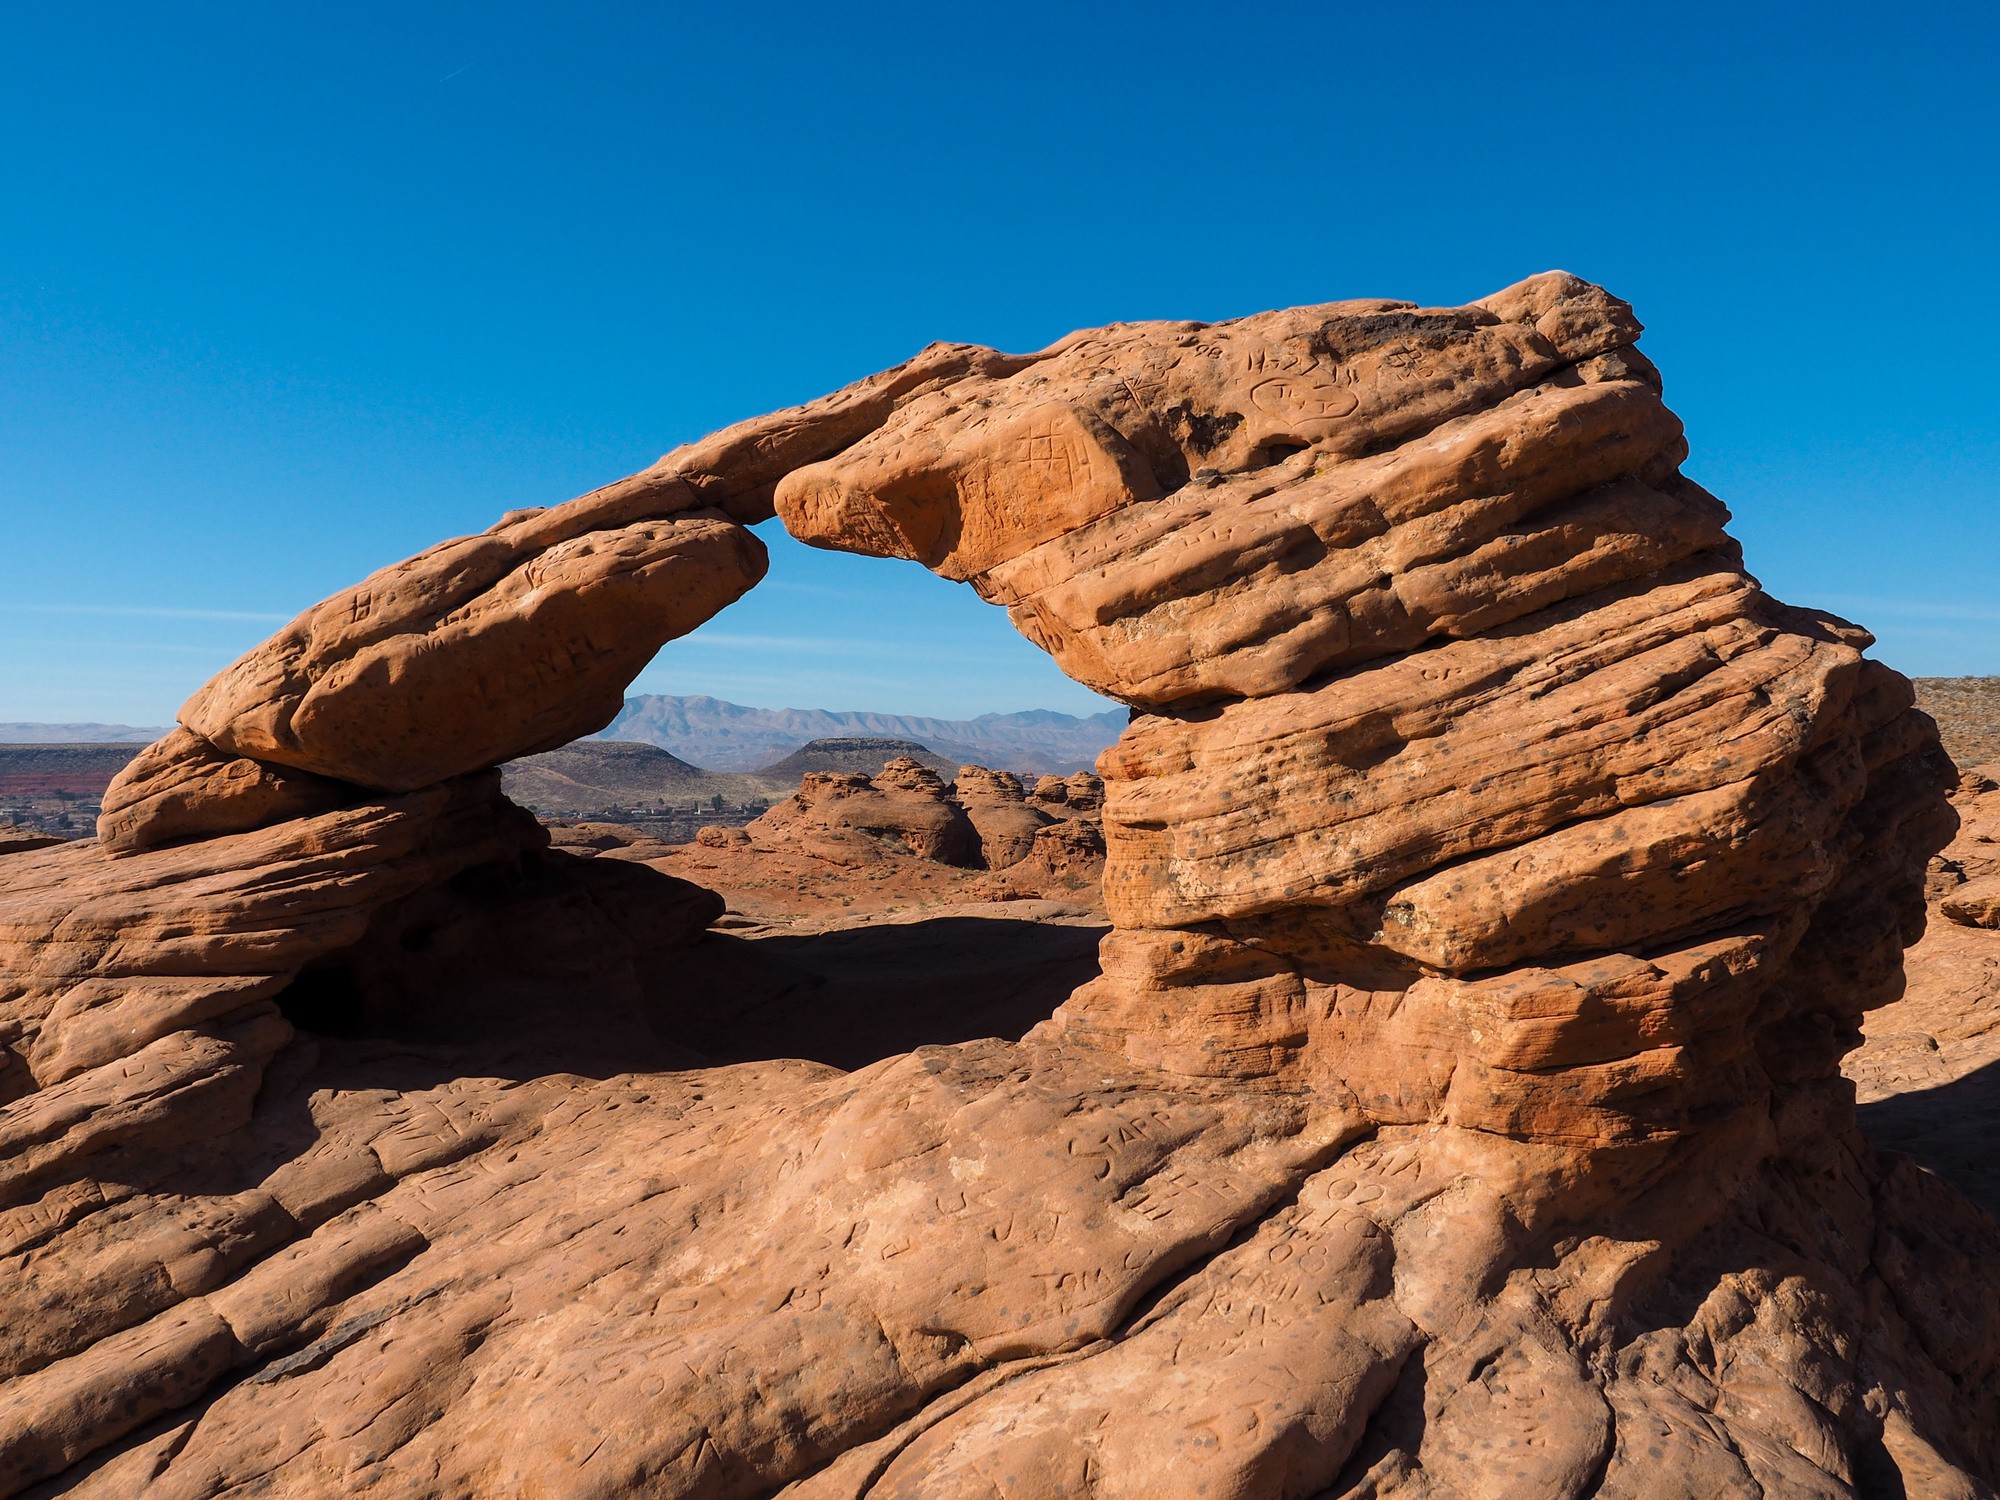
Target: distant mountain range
{"points": [[730, 737], [77, 734], [590, 777], [718, 736]]}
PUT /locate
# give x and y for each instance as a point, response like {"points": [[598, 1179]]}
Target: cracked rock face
{"points": [[1496, 875]]}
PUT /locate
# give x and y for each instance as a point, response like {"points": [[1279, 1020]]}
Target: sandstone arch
{"points": [[1497, 873]]}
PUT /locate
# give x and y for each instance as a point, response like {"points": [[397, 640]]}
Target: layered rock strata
{"points": [[16, 838], [1497, 877], [1473, 782]]}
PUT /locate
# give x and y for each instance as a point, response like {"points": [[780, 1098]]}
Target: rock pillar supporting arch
{"points": [[1470, 771]]}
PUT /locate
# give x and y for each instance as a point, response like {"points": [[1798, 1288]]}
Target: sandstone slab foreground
{"points": [[1496, 878]]}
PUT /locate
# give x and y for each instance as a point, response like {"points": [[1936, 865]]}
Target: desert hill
{"points": [[55, 787], [860, 755], [1967, 710], [603, 772], [592, 777], [588, 775], [52, 788], [46, 768]]}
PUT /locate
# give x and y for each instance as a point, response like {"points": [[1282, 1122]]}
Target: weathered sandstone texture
{"points": [[1496, 874], [839, 813]]}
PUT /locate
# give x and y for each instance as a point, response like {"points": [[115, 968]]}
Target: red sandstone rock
{"points": [[1975, 904], [487, 648], [1000, 813], [589, 838], [842, 816], [1365, 476], [1928, 1076], [899, 840], [1966, 876], [1497, 878], [1067, 852], [1078, 795], [183, 788], [479, 650]]}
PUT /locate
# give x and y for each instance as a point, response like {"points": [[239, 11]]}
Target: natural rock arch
{"points": [[1497, 877], [1437, 563]]}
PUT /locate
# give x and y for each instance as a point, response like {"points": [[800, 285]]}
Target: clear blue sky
{"points": [[290, 291]]}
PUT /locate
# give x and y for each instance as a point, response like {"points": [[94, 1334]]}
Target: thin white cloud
{"points": [[1912, 609], [145, 611], [846, 647], [792, 586], [214, 653]]}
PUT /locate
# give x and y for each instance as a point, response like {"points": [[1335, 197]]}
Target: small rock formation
{"points": [[1078, 795], [839, 815], [1066, 854], [1000, 813], [1966, 875], [899, 840], [1497, 878], [983, 820]]}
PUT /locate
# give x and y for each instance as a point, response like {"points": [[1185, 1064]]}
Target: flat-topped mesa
{"points": [[1474, 775]]}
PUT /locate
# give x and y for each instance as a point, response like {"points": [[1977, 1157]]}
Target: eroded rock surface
{"points": [[1496, 877]]}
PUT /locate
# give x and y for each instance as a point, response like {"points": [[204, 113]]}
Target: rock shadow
{"points": [[846, 998], [604, 967], [853, 996], [1953, 1130], [600, 1004]]}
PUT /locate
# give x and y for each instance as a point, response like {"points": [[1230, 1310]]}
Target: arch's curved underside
{"points": [[1497, 876]]}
